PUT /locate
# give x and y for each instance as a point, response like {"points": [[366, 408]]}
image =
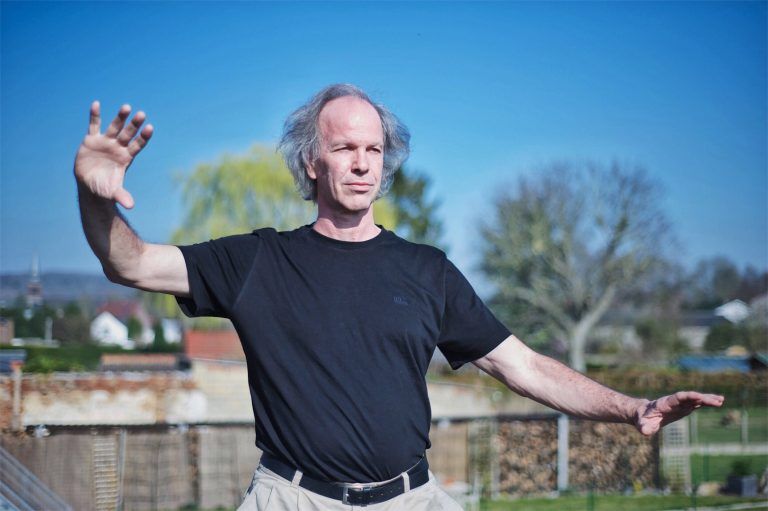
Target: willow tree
{"points": [[569, 242], [241, 193]]}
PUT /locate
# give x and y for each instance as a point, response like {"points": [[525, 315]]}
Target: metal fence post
{"points": [[562, 452], [694, 422], [744, 426]]}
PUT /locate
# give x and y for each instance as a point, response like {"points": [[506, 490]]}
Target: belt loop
{"points": [[296, 478], [406, 482]]}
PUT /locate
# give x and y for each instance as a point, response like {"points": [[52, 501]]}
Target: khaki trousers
{"points": [[270, 492]]}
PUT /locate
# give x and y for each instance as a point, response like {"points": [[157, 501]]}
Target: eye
{"points": [[376, 150]]}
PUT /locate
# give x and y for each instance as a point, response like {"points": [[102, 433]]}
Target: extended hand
{"points": [[653, 415], [103, 159]]}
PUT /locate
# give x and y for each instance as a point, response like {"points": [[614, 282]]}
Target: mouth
{"points": [[360, 185]]}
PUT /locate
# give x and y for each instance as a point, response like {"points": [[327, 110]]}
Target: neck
{"points": [[346, 226]]}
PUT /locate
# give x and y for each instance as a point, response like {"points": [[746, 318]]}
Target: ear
{"points": [[311, 169]]}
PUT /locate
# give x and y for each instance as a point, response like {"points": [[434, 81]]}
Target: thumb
{"points": [[124, 198], [649, 428]]}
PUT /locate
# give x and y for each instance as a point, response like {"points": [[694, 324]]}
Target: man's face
{"points": [[348, 168]]}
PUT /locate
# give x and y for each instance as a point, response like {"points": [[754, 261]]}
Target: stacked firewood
{"points": [[612, 457], [602, 457], [527, 456]]}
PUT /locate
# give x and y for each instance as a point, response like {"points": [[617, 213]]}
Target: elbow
{"points": [[112, 274], [117, 277], [125, 272]]}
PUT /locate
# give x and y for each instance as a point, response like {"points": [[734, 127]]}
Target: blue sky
{"points": [[490, 92]]}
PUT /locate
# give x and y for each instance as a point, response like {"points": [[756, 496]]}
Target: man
{"points": [[338, 320]]}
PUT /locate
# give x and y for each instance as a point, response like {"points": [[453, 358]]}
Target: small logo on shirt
{"points": [[400, 300]]}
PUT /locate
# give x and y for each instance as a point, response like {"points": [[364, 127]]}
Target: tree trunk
{"points": [[578, 334], [578, 340]]}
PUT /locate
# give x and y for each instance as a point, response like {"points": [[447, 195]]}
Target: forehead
{"points": [[349, 117]]}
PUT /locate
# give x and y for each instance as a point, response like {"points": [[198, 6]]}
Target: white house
{"points": [[171, 330], [107, 329], [734, 311]]}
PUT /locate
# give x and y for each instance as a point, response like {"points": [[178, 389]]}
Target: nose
{"points": [[361, 164]]}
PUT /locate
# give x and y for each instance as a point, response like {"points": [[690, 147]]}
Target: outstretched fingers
{"points": [[118, 122], [690, 399], [94, 125], [128, 132], [138, 143]]}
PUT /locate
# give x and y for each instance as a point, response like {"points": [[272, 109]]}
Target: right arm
{"points": [[100, 166]]}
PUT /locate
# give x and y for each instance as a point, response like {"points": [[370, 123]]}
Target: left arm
{"points": [[553, 384]]}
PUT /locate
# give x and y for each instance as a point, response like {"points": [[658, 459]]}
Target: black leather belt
{"points": [[355, 494]]}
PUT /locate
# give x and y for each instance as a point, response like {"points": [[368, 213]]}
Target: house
{"points": [[107, 329], [694, 326], [124, 310], [6, 330], [734, 311], [172, 332]]}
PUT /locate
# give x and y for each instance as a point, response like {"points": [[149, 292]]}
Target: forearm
{"points": [[558, 386], [553, 384], [111, 238]]}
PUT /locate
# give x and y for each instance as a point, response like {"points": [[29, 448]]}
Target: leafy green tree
{"points": [[570, 242], [28, 322], [660, 337], [415, 215], [717, 280], [159, 344], [134, 328], [713, 282], [71, 325], [724, 335]]}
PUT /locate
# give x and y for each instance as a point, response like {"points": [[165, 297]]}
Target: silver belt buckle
{"points": [[362, 488]]}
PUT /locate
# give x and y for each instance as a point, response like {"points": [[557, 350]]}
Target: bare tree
{"points": [[570, 242]]}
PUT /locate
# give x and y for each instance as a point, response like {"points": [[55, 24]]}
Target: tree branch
{"points": [[543, 303]]}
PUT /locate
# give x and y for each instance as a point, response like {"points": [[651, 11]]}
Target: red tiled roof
{"points": [[122, 309], [213, 344]]}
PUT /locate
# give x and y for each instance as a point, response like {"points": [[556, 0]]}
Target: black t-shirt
{"points": [[337, 337]]}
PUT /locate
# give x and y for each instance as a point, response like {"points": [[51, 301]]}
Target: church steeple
{"points": [[34, 286]]}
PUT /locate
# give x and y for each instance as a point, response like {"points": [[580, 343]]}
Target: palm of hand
{"points": [[101, 164], [654, 415], [103, 159]]}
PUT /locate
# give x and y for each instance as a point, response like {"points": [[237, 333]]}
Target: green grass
{"points": [[613, 503], [713, 429], [717, 468]]}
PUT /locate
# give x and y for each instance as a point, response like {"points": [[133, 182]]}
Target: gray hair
{"points": [[300, 143]]}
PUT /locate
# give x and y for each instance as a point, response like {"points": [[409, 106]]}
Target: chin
{"points": [[357, 204], [357, 207]]}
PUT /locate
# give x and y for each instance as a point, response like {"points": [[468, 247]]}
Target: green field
{"points": [[614, 502], [712, 426], [717, 468]]}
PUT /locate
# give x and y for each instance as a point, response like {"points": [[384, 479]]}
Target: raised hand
{"points": [[103, 159], [654, 415]]}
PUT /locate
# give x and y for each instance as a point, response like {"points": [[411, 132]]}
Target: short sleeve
{"points": [[217, 270], [469, 329]]}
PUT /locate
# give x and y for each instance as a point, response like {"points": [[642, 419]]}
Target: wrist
{"points": [[85, 194], [636, 410]]}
